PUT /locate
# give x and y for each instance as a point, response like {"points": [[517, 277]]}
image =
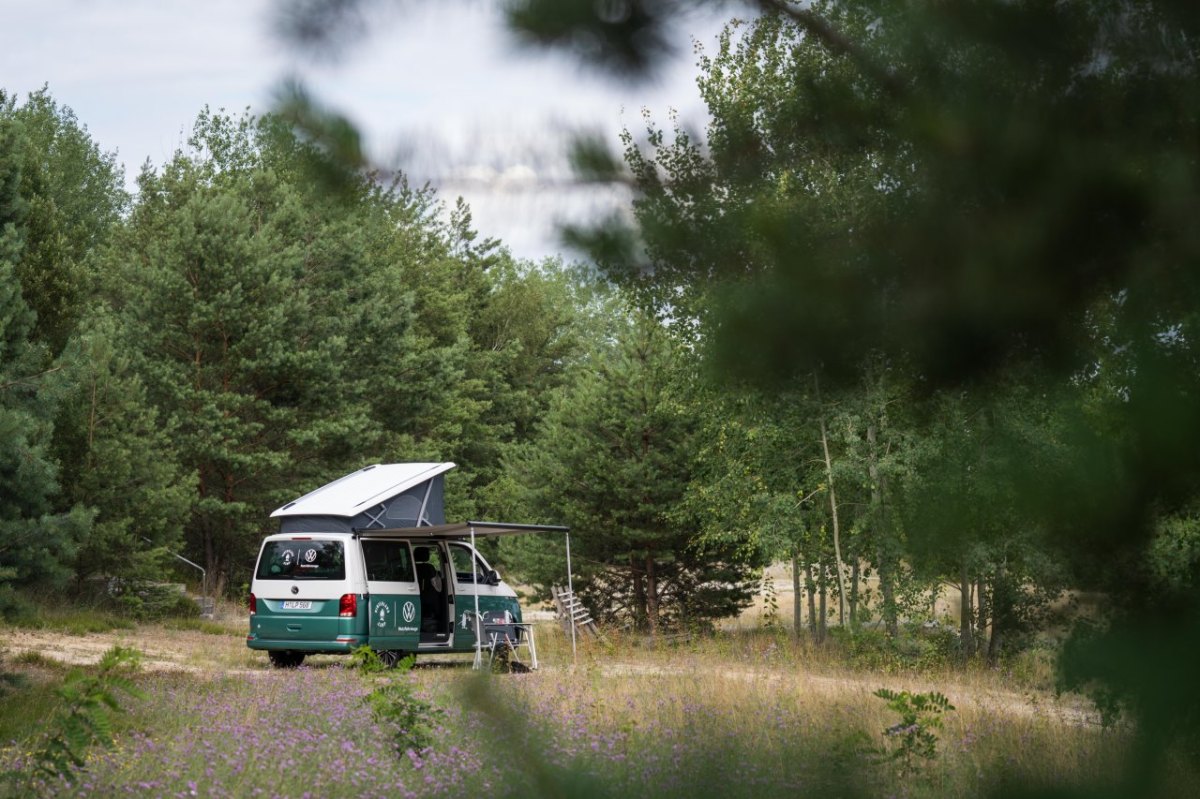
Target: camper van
{"points": [[370, 560]]}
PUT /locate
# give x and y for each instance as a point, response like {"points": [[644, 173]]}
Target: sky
{"points": [[439, 90]]}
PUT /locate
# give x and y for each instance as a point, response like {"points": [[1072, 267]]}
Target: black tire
{"points": [[392, 657], [286, 660]]}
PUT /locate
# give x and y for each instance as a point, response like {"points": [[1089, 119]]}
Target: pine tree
{"points": [[36, 543], [613, 459]]}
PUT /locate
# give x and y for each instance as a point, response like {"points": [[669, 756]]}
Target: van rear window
{"points": [[302, 560]]}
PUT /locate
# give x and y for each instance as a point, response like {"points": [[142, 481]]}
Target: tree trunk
{"points": [[206, 536], [797, 599], [983, 615], [887, 592], [210, 562], [966, 639], [222, 582], [883, 565], [837, 547], [639, 594], [854, 578], [651, 596], [822, 616], [229, 530], [1001, 614], [810, 588]]}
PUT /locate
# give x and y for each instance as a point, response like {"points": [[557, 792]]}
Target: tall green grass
{"points": [[72, 619], [194, 624], [27, 695], [98, 614]]}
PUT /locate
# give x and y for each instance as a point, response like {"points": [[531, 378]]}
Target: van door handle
{"points": [[295, 628]]}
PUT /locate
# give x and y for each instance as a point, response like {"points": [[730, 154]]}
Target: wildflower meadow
{"points": [[664, 723]]}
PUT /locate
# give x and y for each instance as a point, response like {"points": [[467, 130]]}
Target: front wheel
{"points": [[392, 657], [286, 660]]}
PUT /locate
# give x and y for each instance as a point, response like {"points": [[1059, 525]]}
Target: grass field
{"points": [[751, 714]]}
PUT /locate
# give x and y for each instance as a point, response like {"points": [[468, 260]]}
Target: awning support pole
{"points": [[571, 592], [475, 587]]}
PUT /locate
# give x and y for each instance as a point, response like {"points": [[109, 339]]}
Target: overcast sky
{"points": [[437, 88]]}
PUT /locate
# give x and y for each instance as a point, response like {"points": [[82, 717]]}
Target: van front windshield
{"points": [[302, 560]]}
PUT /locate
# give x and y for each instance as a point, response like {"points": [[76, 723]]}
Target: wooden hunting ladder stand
{"points": [[572, 613]]}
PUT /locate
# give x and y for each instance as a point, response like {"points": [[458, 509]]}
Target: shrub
{"points": [[394, 704], [14, 608], [83, 719], [197, 624], [916, 648], [367, 660], [913, 739], [148, 601]]}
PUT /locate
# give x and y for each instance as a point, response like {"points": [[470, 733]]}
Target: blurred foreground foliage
{"points": [[990, 195], [998, 201]]}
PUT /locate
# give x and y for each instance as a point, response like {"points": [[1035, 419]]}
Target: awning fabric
{"points": [[463, 530]]}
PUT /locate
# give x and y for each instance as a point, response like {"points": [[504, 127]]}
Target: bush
{"points": [[147, 601], [395, 705], [14, 608], [916, 648], [914, 739], [86, 701]]}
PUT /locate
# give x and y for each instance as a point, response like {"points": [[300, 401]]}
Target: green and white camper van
{"points": [[369, 559]]}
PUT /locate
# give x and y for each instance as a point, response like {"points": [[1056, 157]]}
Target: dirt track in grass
{"points": [[162, 649], [213, 655]]}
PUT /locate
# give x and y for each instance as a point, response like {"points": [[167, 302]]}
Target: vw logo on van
{"points": [[295, 589], [409, 611]]}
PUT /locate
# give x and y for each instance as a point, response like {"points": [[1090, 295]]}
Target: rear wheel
{"points": [[286, 660]]}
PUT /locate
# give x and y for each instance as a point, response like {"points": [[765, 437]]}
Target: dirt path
{"points": [[162, 649], [214, 655], [1069, 710]]}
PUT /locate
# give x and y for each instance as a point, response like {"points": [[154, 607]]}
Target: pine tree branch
{"points": [[24, 380]]}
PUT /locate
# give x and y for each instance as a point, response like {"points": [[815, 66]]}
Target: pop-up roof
{"points": [[385, 496]]}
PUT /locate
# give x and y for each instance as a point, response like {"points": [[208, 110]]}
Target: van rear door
{"points": [[394, 601], [300, 582]]}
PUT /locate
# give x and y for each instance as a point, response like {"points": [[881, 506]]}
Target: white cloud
{"points": [[441, 83]]}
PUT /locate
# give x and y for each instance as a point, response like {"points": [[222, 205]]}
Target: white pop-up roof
{"points": [[383, 495]]}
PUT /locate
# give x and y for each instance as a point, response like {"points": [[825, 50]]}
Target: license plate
{"points": [[297, 604]]}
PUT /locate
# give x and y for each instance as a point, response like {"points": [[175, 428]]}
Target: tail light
{"points": [[348, 605], [253, 604]]}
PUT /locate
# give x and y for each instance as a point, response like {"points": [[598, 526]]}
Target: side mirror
{"points": [[492, 577]]}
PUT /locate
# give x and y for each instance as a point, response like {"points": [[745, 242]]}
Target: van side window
{"points": [[461, 556], [302, 559], [389, 561]]}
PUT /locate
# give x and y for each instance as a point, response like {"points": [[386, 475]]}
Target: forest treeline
{"points": [[181, 362]]}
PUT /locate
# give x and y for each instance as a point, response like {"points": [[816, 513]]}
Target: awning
{"points": [[463, 530]]}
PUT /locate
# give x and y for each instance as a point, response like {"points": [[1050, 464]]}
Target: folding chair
{"points": [[503, 638]]}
